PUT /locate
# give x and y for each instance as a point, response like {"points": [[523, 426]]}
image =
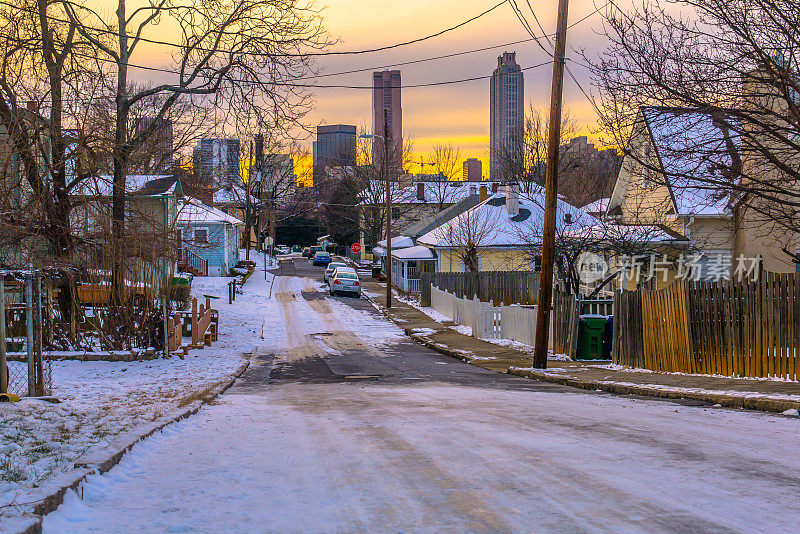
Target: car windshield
{"points": [[349, 276], [334, 265]]}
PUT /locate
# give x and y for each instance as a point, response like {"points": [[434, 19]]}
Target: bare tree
{"points": [[446, 163], [465, 235], [242, 53], [732, 65]]}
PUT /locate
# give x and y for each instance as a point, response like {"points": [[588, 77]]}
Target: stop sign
{"points": [[356, 248]]}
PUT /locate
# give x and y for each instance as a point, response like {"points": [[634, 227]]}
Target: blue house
{"points": [[210, 239]]}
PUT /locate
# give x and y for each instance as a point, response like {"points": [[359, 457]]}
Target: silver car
{"points": [[329, 270], [345, 282]]}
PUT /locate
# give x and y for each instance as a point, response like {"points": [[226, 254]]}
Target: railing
{"points": [[190, 259], [412, 285]]}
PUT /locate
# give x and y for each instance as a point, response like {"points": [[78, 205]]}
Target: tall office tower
{"points": [[507, 117], [473, 170], [335, 146], [386, 96], [155, 154], [216, 162]]}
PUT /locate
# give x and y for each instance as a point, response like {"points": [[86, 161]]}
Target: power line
{"points": [[255, 54]]}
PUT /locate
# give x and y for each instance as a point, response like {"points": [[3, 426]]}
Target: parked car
{"points": [[345, 282], [321, 258], [307, 252], [297, 248], [282, 249], [312, 251], [329, 270]]}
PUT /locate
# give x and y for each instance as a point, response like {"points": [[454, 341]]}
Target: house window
{"points": [[395, 212], [201, 235]]}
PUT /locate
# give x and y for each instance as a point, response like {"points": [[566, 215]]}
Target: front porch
{"points": [[408, 264]]}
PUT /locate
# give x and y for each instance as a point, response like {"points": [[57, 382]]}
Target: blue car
{"points": [[322, 258]]}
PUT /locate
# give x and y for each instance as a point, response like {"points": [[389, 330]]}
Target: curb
{"points": [[760, 403], [102, 460], [755, 402]]}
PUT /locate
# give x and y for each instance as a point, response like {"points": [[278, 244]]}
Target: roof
{"points": [[426, 225], [135, 184], [417, 252], [435, 191], [597, 206], [491, 225], [191, 210], [400, 241], [694, 148], [232, 194]]}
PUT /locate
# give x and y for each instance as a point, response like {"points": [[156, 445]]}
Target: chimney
{"points": [[483, 194], [32, 106], [495, 187], [512, 200], [421, 191]]}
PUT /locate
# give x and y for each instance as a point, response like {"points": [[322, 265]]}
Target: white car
{"points": [[345, 282], [329, 270]]}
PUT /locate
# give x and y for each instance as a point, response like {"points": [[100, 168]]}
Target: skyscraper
{"points": [[386, 96], [473, 170], [216, 162], [507, 116], [335, 146]]}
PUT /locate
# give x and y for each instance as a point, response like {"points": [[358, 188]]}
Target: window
{"points": [[395, 212], [201, 235]]}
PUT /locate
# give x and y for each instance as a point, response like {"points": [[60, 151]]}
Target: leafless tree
{"points": [[243, 53], [446, 164], [465, 235], [736, 65]]}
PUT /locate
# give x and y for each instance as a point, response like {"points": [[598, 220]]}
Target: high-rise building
{"points": [[335, 146], [155, 154], [473, 170], [216, 162], [386, 96], [507, 116]]}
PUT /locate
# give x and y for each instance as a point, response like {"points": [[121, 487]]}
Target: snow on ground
{"points": [[437, 458], [100, 400]]}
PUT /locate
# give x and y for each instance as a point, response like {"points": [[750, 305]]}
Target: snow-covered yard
{"points": [[100, 400]]}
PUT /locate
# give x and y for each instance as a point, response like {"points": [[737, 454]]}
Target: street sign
{"points": [[356, 248], [268, 241]]}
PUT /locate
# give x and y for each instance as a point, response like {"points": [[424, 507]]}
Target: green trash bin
{"points": [[590, 336]]}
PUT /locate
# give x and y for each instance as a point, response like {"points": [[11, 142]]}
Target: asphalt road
{"points": [[347, 426]]}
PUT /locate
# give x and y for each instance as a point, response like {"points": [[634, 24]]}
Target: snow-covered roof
{"points": [[400, 241], [417, 252], [191, 210], [490, 224], [598, 206], [434, 192], [695, 152], [146, 184], [232, 194]]}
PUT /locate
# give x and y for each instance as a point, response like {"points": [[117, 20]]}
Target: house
{"points": [[673, 158], [502, 233], [412, 203], [210, 238]]}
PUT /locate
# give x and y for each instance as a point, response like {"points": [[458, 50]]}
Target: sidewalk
{"points": [[760, 394]]}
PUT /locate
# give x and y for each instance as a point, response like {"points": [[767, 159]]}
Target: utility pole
{"points": [[247, 215], [388, 209], [551, 194]]}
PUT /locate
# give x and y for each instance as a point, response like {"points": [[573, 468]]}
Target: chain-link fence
{"points": [[25, 318]]}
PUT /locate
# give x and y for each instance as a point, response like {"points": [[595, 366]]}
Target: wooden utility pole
{"points": [[551, 194], [248, 208], [386, 164]]}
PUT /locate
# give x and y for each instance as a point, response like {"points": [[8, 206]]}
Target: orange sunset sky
{"points": [[457, 113]]}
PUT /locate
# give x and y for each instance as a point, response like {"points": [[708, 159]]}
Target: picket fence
{"points": [[487, 321]]}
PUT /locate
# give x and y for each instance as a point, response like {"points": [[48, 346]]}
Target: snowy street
{"points": [[343, 424]]}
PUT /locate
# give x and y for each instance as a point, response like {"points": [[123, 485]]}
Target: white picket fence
{"points": [[513, 322]]}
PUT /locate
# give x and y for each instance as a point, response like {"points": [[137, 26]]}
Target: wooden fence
{"points": [[507, 287], [733, 329], [565, 324]]}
